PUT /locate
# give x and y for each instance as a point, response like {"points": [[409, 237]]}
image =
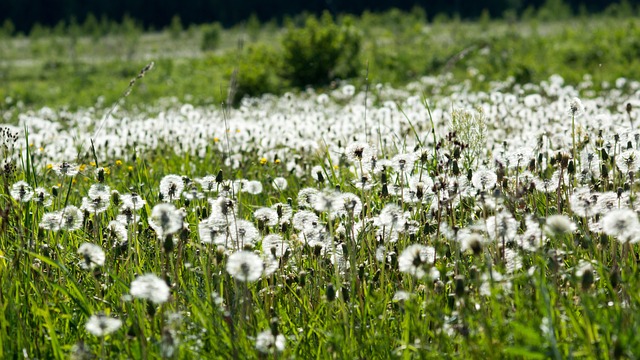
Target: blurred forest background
{"points": [[78, 53], [157, 14]]}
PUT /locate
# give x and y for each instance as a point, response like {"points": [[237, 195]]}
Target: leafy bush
{"points": [[255, 72], [320, 51], [211, 37]]}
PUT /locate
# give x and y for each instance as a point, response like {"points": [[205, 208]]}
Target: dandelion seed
{"points": [[403, 163], [101, 325], [150, 287], [358, 151], [266, 216], [65, 169], [92, 256], [245, 266], [165, 220], [559, 225], [208, 183], [280, 183], [51, 221], [267, 343], [254, 187], [133, 201], [414, 258], [575, 107], [211, 231], [42, 197], [21, 191], [117, 231], [71, 218], [171, 187], [284, 212], [306, 197], [628, 161], [484, 179], [622, 224]]}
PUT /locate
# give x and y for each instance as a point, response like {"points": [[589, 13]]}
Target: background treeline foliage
{"points": [[22, 16]]}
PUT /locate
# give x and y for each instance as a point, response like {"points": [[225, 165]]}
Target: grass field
{"points": [[479, 211]]}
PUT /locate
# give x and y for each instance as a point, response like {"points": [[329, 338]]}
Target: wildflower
{"points": [[242, 233], [266, 216], [348, 204], [21, 191], [208, 183], [210, 232], [358, 151], [306, 197], [275, 245], [165, 219], [51, 221], [583, 202], [304, 219], [586, 273], [65, 169], [559, 225], [284, 212], [403, 163], [280, 183], [100, 325], [391, 217], [71, 218], [547, 185], [95, 205], [253, 187], [92, 256], [116, 230], [133, 201], [484, 179], [628, 161], [150, 287], [268, 343], [502, 226], [171, 187], [575, 107], [42, 197], [622, 224], [245, 266], [414, 258], [317, 173]]}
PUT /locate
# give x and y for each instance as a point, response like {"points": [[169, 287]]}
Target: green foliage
{"points": [[176, 28], [255, 74], [211, 35], [554, 10], [320, 51]]}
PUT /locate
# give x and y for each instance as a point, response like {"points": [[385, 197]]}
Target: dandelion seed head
{"points": [[92, 256], [245, 266], [150, 287], [101, 325]]}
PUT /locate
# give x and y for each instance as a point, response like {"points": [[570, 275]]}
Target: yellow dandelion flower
{"points": [[130, 168], [263, 161], [118, 162], [216, 139], [91, 163], [49, 166], [277, 161], [84, 166], [107, 170]]}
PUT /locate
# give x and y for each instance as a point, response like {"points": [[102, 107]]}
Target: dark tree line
{"points": [[158, 13]]}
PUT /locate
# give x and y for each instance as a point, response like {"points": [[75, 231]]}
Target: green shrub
{"points": [[211, 35], [255, 72], [320, 51]]}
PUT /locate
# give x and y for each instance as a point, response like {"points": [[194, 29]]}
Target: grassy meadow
{"points": [[449, 190]]}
